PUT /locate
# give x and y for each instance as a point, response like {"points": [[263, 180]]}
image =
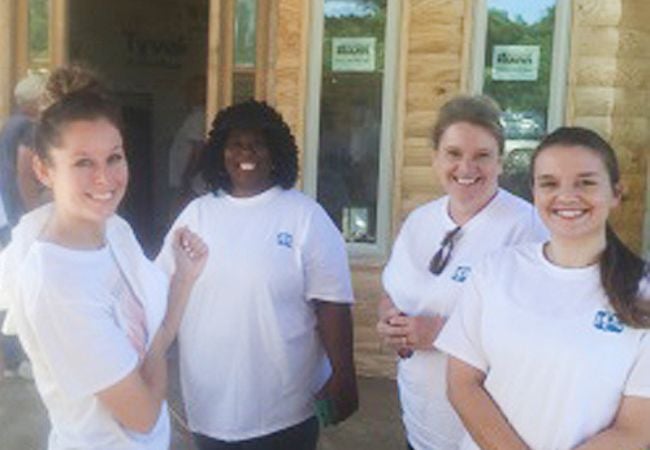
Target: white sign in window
{"points": [[515, 62], [353, 54]]}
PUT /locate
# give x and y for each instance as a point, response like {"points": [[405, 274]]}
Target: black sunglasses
{"points": [[441, 257]]}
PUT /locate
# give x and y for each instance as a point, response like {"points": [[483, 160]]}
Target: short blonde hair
{"points": [[479, 110]]}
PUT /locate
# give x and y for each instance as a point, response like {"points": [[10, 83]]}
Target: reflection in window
{"points": [[350, 115], [245, 17], [38, 33], [245, 49], [518, 56]]}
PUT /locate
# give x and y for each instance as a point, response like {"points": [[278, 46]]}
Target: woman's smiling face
{"points": [[468, 165], [247, 159], [573, 191], [87, 172]]}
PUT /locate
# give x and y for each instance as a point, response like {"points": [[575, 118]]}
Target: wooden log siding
{"points": [[289, 68], [434, 31], [609, 89]]}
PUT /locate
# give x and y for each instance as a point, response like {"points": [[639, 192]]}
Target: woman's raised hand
{"points": [[190, 253]]}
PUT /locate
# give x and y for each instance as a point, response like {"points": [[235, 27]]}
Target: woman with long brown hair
{"points": [[550, 347]]}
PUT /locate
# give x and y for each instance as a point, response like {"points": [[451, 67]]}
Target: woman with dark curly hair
{"points": [[268, 329]]}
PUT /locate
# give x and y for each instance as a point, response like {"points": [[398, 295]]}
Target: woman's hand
{"points": [[407, 333], [190, 254]]}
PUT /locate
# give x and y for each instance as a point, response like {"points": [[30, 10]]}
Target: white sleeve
{"points": [[325, 261], [638, 382], [461, 336], [80, 341]]}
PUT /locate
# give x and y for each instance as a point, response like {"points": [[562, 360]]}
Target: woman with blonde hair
{"points": [[434, 256]]}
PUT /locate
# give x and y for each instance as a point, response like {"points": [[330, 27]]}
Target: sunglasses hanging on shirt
{"points": [[441, 257]]}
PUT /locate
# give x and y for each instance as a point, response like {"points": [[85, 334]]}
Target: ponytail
{"points": [[621, 274]]}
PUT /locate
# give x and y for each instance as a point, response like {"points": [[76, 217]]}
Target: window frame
{"points": [[556, 112], [357, 251], [646, 222]]}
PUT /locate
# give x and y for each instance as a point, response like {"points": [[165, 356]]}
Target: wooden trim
{"points": [[227, 57], [559, 65], [271, 52], [21, 44], [466, 52], [478, 42], [310, 138], [58, 32], [8, 26], [214, 78], [400, 119], [262, 38]]}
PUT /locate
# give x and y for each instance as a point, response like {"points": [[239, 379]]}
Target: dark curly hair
{"points": [[251, 115]]}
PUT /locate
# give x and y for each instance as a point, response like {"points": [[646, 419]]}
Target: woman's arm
{"points": [[136, 400], [406, 333], [481, 416], [630, 430], [335, 330]]}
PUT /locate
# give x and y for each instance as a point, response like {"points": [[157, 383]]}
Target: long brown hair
{"points": [[621, 270], [71, 93]]}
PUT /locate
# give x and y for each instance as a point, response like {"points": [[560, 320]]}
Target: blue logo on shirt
{"points": [[285, 239], [608, 322], [461, 273]]}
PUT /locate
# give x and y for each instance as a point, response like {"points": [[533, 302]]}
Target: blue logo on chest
{"points": [[608, 322], [285, 239], [461, 274]]}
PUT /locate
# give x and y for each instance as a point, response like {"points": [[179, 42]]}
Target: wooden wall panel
{"points": [[609, 90], [290, 65]]}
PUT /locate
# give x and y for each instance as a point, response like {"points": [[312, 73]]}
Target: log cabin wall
{"points": [[609, 91]]}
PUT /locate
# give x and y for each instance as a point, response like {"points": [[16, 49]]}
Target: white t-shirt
{"points": [[557, 359], [74, 333], [250, 356], [429, 419]]}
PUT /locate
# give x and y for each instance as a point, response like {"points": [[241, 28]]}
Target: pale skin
{"points": [[566, 180], [467, 163], [87, 174], [32, 192], [136, 400]]}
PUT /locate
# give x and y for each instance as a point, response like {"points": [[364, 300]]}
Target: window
{"points": [[244, 31], [39, 49], [646, 228], [353, 55], [520, 60]]}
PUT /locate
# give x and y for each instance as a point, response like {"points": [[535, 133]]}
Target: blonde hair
{"points": [[479, 110]]}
